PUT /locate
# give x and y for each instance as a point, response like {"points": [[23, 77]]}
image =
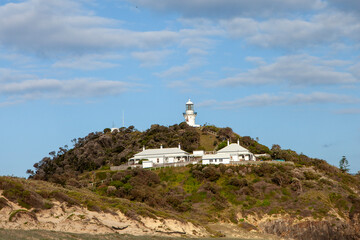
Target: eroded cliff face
{"points": [[311, 230], [76, 219], [80, 220]]}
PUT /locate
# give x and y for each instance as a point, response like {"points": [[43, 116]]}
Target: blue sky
{"points": [[285, 71]]}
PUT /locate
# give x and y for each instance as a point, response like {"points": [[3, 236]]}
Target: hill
{"points": [[303, 198], [114, 148]]}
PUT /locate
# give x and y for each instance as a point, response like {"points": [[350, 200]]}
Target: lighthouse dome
{"points": [[189, 102]]}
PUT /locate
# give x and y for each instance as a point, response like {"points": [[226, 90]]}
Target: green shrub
{"points": [[334, 197], [211, 173], [62, 197], [127, 187], [92, 206], [198, 197], [3, 203], [26, 199], [285, 191], [101, 175], [105, 168], [116, 184], [309, 175], [221, 145], [15, 212]]}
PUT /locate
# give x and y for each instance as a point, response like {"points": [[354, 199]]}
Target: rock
{"points": [[310, 230]]}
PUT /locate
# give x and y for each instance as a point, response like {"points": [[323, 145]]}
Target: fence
{"points": [[182, 164]]}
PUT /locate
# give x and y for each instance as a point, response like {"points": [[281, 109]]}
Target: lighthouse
{"points": [[189, 114]]}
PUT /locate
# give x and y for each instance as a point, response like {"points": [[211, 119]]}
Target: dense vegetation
{"points": [[114, 148], [208, 193], [202, 194]]}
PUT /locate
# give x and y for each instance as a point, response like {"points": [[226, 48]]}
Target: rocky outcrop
{"points": [[310, 230]]}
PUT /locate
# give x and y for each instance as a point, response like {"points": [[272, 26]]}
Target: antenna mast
{"points": [[123, 119]]}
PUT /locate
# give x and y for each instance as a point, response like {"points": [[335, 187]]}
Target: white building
{"points": [[231, 153], [237, 152], [162, 155], [217, 158], [190, 115], [147, 164], [198, 153]]}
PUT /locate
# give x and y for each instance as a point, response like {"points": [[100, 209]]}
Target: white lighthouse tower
{"points": [[190, 115]]}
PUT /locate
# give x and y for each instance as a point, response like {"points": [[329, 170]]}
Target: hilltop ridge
{"points": [[108, 148], [302, 198]]}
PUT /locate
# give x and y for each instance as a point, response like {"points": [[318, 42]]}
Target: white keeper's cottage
{"points": [[233, 152], [161, 155]]}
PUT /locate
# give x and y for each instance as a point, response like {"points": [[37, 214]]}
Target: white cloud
{"points": [[50, 27], [178, 84], [9, 103], [89, 62], [355, 69], [53, 88], [284, 99], [256, 60], [322, 28], [151, 58], [197, 52], [348, 5], [7, 74], [296, 70], [179, 70], [207, 103], [230, 8]]}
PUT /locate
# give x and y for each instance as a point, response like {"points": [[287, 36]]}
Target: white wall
{"points": [[147, 164], [198, 153], [216, 161], [155, 160]]}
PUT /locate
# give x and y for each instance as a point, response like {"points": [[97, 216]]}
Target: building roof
{"points": [[189, 102], [233, 147], [160, 152]]}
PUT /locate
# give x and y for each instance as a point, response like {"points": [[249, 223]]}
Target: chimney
{"points": [[228, 142], [161, 146], [238, 141], [144, 148], [179, 146]]}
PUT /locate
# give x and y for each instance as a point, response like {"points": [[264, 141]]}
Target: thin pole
{"points": [[123, 119]]}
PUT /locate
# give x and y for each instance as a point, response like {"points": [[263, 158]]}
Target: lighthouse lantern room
{"points": [[190, 115]]}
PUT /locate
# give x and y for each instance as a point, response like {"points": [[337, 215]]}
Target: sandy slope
{"points": [[80, 220]]}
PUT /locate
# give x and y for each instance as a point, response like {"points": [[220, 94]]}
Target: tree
{"points": [[275, 151], [344, 164], [30, 172]]}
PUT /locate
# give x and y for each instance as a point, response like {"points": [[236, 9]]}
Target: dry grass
{"points": [[207, 141]]}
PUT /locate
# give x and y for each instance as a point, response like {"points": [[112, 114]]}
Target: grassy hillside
{"points": [[212, 193], [244, 195]]}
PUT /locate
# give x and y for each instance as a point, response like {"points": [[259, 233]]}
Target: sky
{"points": [[284, 71]]}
